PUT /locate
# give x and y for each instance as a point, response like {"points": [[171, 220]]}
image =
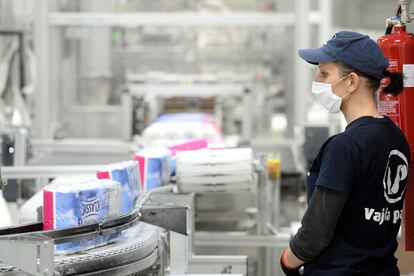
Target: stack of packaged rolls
{"points": [[114, 193], [210, 170], [176, 128]]}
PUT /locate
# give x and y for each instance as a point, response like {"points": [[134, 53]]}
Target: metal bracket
{"points": [[172, 218], [3, 182], [32, 253]]}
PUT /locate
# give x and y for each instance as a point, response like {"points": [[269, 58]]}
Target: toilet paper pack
{"points": [[127, 174], [154, 167], [81, 203]]}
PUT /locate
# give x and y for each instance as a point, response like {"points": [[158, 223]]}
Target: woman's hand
{"points": [[291, 267]]}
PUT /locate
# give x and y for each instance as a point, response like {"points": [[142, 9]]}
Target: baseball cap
{"points": [[353, 49]]}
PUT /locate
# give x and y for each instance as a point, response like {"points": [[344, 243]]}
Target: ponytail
{"points": [[396, 85]]}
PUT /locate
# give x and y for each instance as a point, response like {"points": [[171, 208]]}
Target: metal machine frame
{"points": [[151, 92], [47, 24]]}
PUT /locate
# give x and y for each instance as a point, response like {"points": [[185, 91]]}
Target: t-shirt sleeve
{"points": [[339, 164]]}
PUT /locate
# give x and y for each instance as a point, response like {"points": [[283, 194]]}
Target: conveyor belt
{"points": [[136, 251]]}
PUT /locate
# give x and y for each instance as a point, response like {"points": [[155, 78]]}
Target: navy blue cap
{"points": [[353, 49]]}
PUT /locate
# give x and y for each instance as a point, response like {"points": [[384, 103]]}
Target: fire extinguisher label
{"points": [[389, 107], [408, 71], [393, 64]]}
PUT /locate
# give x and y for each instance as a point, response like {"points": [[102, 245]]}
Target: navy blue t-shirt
{"points": [[369, 161]]}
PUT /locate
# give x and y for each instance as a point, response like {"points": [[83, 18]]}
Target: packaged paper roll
{"points": [[214, 170], [81, 203], [190, 145], [170, 129], [186, 117], [127, 174], [154, 167], [28, 211]]}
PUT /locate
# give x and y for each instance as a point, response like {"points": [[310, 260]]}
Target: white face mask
{"points": [[324, 95]]}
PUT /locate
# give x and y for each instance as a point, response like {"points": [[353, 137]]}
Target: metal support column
{"points": [[261, 222], [247, 117], [301, 71], [325, 25], [41, 45], [127, 116]]}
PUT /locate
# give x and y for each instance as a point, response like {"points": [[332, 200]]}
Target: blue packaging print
{"points": [[173, 165], [127, 175], [154, 173], [93, 206], [134, 180], [166, 168], [154, 166], [81, 204], [121, 175], [87, 206]]}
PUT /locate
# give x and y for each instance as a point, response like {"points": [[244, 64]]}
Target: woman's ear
{"points": [[354, 82]]}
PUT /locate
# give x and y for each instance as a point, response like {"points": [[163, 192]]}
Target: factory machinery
{"points": [[146, 96], [29, 250], [158, 237]]}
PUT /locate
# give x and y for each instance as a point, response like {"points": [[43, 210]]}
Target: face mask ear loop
{"points": [[339, 81], [346, 95]]}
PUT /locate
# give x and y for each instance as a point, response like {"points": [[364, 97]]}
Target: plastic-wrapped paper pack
{"points": [[154, 167], [219, 156], [128, 175], [215, 170], [171, 129], [28, 211], [186, 117], [238, 168], [81, 203], [214, 180], [224, 187], [172, 133], [190, 145]]}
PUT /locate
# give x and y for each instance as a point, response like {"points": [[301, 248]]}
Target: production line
{"points": [[143, 247]]}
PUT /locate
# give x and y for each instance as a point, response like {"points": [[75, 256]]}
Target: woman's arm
{"points": [[318, 227]]}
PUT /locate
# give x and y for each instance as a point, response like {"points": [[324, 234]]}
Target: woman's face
{"points": [[329, 73]]}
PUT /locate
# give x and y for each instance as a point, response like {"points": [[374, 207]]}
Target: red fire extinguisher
{"points": [[398, 47]]}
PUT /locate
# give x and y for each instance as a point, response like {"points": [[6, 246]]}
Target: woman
{"points": [[357, 181]]}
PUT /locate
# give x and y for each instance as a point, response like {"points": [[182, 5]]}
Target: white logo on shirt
{"points": [[396, 171]]}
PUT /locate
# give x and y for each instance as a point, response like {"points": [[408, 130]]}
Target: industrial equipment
{"points": [[149, 95], [137, 251], [5, 218], [257, 235], [142, 250]]}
